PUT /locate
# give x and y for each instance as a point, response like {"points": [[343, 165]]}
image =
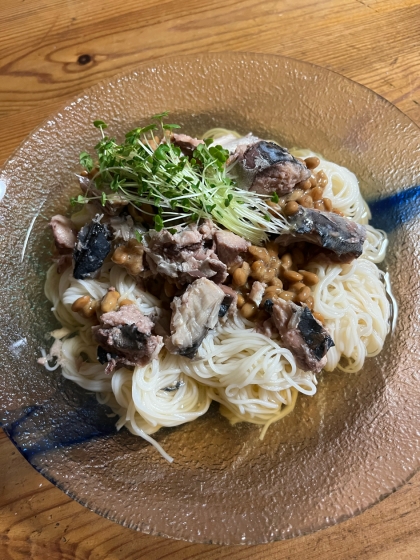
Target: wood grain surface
{"points": [[51, 50]]}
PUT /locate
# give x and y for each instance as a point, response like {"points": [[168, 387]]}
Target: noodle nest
{"points": [[252, 377]]}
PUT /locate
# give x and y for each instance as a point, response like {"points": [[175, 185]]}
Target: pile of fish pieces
{"points": [[197, 257], [188, 257], [197, 260], [267, 168]]}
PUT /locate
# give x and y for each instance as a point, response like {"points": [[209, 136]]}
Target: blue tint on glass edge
{"points": [[392, 211], [74, 427]]}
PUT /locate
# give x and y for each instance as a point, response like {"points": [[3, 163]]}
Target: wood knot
{"points": [[84, 59]]}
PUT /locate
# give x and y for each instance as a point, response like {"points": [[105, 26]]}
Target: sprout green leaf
{"points": [[180, 189], [100, 124], [86, 161]]}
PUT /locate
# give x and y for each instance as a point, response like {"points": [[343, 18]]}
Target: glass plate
{"points": [[339, 452]]}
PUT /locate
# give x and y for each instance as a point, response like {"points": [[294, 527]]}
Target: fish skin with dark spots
{"points": [[92, 248], [342, 238], [126, 335], [306, 338], [267, 168]]}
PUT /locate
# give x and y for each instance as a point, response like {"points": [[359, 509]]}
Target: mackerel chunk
{"points": [[183, 256], [342, 238], [91, 249], [229, 247], [231, 142], [265, 167], [64, 233], [193, 315], [187, 144], [301, 333], [229, 302], [125, 338]]}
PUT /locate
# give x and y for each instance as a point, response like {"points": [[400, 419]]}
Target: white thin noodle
{"points": [[352, 298], [252, 377], [216, 133], [375, 245]]}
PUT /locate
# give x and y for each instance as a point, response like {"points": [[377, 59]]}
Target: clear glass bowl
{"points": [[339, 452]]}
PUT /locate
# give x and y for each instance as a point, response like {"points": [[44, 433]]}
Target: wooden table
{"points": [[51, 50]]}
